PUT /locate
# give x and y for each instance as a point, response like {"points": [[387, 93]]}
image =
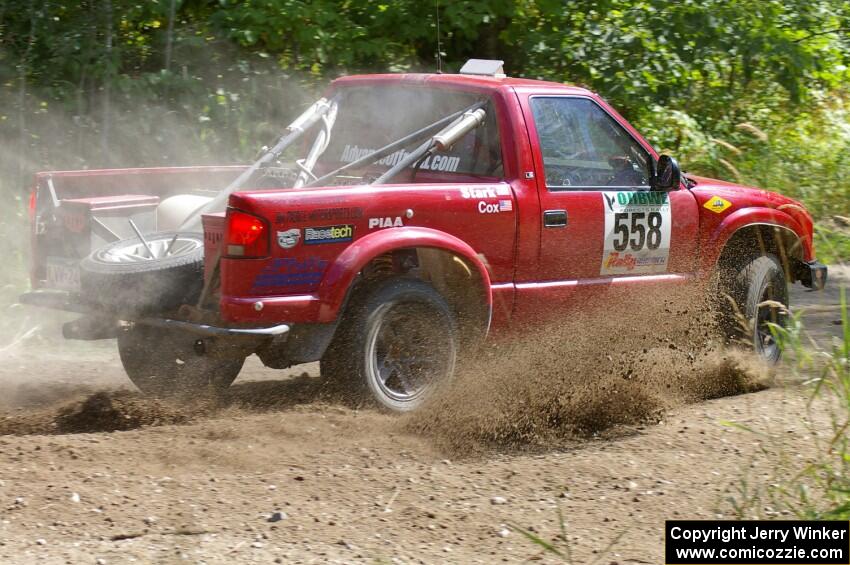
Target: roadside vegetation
{"points": [[816, 484], [751, 91]]}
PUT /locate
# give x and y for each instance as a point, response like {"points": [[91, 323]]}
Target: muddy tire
{"points": [[164, 363], [122, 278], [760, 294], [394, 345]]}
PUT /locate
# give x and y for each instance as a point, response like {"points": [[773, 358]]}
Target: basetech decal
{"points": [[717, 204], [328, 234], [637, 233]]}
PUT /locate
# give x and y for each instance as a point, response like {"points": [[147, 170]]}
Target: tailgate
{"points": [[67, 233], [75, 212]]}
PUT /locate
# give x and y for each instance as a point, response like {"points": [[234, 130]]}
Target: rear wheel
{"points": [[760, 293], [164, 363], [395, 344]]}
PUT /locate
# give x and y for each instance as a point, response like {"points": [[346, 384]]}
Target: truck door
{"points": [[601, 223]]}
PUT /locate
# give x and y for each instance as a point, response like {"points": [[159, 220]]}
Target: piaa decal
{"points": [[385, 222]]}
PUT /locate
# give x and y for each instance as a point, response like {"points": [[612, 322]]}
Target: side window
{"points": [[583, 147]]}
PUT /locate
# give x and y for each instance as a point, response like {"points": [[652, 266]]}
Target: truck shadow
{"points": [[284, 394]]}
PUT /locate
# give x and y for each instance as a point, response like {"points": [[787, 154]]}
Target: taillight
{"points": [[247, 235], [33, 200]]}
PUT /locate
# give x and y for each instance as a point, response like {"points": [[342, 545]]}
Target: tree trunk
{"points": [[107, 86], [169, 34], [23, 71]]}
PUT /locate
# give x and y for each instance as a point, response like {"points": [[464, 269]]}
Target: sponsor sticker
{"points": [[318, 215], [470, 192], [328, 234], [448, 163], [385, 222], [288, 272], [717, 204], [637, 233], [494, 208], [213, 237], [484, 192], [289, 238]]}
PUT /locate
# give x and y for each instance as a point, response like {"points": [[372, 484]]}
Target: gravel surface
{"points": [[282, 473]]}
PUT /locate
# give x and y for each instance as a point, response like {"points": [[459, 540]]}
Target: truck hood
{"points": [[746, 200], [740, 195]]}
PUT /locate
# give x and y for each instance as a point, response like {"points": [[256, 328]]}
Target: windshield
{"points": [[370, 117]]}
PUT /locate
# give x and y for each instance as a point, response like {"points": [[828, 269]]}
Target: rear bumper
{"points": [[812, 274], [56, 299], [62, 300], [206, 330], [257, 310]]}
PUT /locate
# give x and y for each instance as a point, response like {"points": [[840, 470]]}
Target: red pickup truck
{"points": [[427, 211]]}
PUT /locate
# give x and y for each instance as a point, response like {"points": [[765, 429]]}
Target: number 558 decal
{"points": [[637, 233]]}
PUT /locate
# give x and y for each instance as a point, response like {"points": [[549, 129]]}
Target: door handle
{"points": [[555, 218]]}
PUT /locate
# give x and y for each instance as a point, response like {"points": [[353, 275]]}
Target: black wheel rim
{"points": [[408, 349], [771, 312]]}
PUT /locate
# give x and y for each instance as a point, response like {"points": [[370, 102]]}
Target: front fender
{"points": [[719, 236], [340, 274]]}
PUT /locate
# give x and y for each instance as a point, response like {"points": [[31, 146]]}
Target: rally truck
{"points": [[398, 222]]}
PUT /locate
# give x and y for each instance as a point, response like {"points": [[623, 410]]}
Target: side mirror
{"points": [[668, 176]]}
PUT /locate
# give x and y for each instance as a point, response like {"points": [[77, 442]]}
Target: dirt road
{"points": [[347, 485]]}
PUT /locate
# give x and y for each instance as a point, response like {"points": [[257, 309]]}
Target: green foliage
{"points": [[712, 63], [98, 83], [833, 243], [705, 52]]}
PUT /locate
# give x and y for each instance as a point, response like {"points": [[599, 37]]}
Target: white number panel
{"points": [[637, 233]]}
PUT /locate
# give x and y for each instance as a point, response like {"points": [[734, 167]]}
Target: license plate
{"points": [[63, 274]]}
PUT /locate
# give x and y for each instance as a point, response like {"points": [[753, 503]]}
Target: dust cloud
{"points": [[603, 372], [599, 373]]}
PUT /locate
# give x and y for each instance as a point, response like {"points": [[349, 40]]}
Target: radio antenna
{"points": [[439, 46]]}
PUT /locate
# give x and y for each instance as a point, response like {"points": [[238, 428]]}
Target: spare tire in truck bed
{"points": [[131, 276]]}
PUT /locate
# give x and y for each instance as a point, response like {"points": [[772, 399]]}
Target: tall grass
{"points": [[816, 485], [803, 154], [560, 546]]}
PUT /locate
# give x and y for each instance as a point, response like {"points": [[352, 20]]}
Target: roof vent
{"points": [[484, 67]]}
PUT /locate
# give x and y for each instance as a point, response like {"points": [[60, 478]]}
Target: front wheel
{"points": [[164, 363], [760, 293], [396, 344]]}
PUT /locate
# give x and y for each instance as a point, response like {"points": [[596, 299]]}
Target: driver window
{"points": [[583, 147]]}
